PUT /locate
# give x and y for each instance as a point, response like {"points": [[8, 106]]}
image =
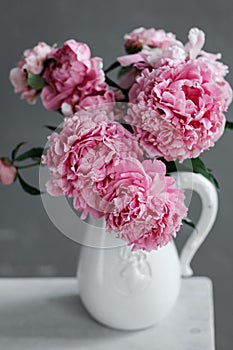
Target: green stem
{"points": [[27, 166], [113, 66], [112, 83]]}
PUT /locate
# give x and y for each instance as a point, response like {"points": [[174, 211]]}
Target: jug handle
{"points": [[209, 199]]}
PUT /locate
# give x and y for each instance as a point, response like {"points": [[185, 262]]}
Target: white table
{"points": [[46, 314]]}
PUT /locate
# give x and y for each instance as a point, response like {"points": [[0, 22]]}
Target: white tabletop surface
{"points": [[46, 314]]}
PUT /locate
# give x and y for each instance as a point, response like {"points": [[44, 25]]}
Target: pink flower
{"points": [[158, 48], [100, 173], [7, 172], [136, 198], [153, 38], [87, 138], [32, 62], [18, 79], [178, 111], [104, 100], [147, 211], [149, 48], [218, 69], [154, 48], [74, 79], [155, 57], [168, 51], [196, 42]]}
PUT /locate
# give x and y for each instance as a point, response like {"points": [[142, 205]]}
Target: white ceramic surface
{"points": [[46, 314]]}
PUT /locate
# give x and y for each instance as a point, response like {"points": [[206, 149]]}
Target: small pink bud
{"points": [[7, 172]]}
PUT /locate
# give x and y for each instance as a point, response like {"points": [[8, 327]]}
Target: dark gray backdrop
{"points": [[29, 244]]}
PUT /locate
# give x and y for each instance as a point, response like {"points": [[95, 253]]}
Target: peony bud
{"points": [[7, 172]]}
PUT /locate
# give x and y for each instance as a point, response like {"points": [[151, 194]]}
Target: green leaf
{"points": [[188, 222], [229, 125], [197, 166], [50, 127], [111, 83], [35, 81], [15, 150], [173, 166], [28, 188], [112, 66], [37, 159], [170, 166], [34, 153], [123, 70], [213, 179]]}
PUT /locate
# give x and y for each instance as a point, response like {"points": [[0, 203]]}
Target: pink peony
{"points": [[7, 172], [140, 37], [32, 62], [154, 48], [196, 42], [87, 137], [160, 48], [74, 79], [178, 111], [104, 100], [170, 52], [147, 211], [155, 57], [18, 79], [100, 176]]}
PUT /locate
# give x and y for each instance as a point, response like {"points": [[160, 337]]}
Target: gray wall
{"points": [[29, 243]]}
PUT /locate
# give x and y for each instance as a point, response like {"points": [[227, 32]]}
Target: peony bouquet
{"points": [[120, 140]]}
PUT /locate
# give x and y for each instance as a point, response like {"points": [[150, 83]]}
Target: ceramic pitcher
{"points": [[133, 290]]}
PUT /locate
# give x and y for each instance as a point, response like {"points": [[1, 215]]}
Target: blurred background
{"points": [[29, 243]]}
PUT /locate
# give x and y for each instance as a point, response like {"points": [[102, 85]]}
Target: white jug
{"points": [[134, 290]]}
